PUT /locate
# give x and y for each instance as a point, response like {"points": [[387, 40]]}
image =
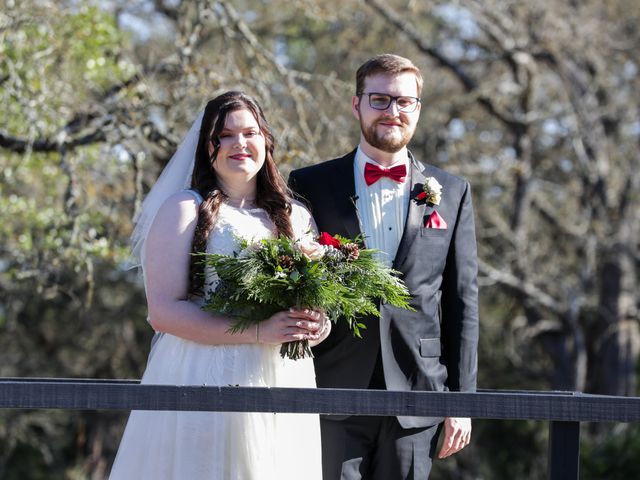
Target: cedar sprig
{"points": [[345, 282]]}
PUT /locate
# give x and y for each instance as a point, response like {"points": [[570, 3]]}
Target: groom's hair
{"points": [[386, 64]]}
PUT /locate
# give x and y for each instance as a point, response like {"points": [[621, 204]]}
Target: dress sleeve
{"points": [[304, 227]]}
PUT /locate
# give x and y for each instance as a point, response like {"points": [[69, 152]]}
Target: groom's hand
{"points": [[457, 434]]}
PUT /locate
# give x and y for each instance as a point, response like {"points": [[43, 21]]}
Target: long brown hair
{"points": [[271, 194]]}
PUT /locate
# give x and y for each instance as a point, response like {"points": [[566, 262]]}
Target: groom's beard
{"points": [[388, 142]]}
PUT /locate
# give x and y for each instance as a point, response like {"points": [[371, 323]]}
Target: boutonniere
{"points": [[431, 192]]}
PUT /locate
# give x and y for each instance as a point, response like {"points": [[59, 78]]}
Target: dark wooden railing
{"points": [[564, 410]]}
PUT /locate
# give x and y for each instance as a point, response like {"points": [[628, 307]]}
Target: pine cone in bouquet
{"points": [[286, 262], [351, 251]]}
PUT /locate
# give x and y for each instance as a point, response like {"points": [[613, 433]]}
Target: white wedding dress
{"points": [[220, 445]]}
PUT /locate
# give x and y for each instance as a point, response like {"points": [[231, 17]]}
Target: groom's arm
{"points": [[460, 319]]}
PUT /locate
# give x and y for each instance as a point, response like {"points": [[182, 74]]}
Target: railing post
{"points": [[564, 450]]}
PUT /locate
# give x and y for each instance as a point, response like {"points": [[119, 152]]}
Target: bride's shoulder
{"points": [[190, 195], [184, 197], [182, 206]]}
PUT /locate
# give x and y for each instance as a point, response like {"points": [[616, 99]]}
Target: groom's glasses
{"points": [[382, 101]]}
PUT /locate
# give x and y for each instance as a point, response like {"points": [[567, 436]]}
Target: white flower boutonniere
{"points": [[431, 191]]}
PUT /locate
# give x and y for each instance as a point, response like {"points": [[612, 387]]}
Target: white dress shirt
{"points": [[382, 208]]}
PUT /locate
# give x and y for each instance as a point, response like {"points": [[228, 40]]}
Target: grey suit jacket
{"points": [[435, 347]]}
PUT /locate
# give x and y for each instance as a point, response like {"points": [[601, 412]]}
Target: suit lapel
{"points": [[415, 213], [344, 191]]}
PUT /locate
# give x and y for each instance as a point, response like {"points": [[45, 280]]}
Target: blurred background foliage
{"points": [[536, 103]]}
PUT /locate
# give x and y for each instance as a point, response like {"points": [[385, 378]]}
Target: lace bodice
{"points": [[253, 224]]}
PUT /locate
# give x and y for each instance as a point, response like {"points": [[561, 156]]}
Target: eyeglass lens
{"points": [[381, 101]]}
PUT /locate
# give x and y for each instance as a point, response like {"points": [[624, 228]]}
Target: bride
{"points": [[235, 191]]}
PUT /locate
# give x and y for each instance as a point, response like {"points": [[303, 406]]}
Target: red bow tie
{"points": [[373, 173]]}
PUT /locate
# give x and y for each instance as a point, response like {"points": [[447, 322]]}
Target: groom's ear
{"points": [[355, 106]]}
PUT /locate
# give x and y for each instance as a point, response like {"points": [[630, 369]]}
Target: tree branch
{"points": [[577, 232], [533, 293], [169, 12], [18, 145], [469, 84]]}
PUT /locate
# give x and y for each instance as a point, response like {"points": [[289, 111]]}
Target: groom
{"points": [[422, 219]]}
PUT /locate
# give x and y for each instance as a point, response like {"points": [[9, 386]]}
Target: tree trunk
{"points": [[618, 349]]}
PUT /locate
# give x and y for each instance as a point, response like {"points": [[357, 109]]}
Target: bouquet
{"points": [[331, 274]]}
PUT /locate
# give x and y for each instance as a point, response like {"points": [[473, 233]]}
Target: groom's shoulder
{"points": [[451, 183], [451, 177], [324, 167], [443, 176]]}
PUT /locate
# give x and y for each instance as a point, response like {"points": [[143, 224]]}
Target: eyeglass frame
{"points": [[392, 99]]}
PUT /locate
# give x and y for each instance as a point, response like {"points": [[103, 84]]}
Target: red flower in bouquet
{"points": [[327, 239]]}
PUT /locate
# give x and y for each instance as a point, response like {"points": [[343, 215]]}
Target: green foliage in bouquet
{"points": [[333, 275]]}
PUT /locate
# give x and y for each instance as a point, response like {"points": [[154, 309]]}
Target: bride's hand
{"points": [[319, 333], [289, 326]]}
